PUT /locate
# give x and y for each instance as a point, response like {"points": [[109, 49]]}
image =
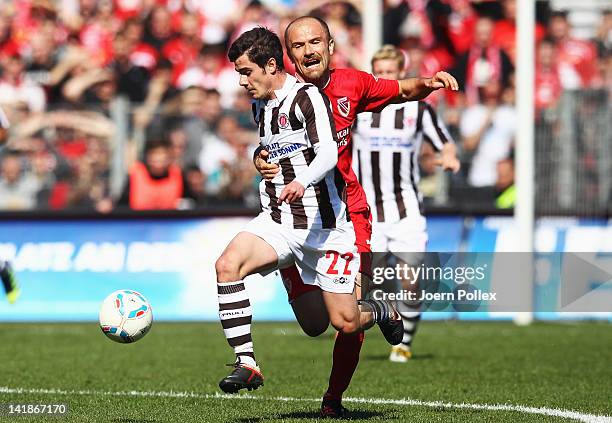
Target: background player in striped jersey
{"points": [[303, 217], [387, 148], [7, 275], [309, 46]]}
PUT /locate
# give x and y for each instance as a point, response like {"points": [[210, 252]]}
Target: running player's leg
{"points": [[408, 241], [306, 301], [347, 347], [246, 254]]}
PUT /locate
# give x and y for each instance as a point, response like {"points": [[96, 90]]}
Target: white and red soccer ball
{"points": [[125, 316]]}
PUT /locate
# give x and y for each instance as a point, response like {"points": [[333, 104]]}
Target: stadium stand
{"points": [[87, 83]]}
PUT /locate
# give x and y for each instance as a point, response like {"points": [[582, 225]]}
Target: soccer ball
{"points": [[125, 316]]}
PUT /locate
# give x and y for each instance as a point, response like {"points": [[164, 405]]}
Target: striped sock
{"points": [[235, 314], [382, 312], [410, 319]]}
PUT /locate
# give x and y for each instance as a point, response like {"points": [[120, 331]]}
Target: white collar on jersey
{"points": [[300, 79], [290, 81]]}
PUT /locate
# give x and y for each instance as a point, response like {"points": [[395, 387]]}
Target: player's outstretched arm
{"points": [[413, 89]]}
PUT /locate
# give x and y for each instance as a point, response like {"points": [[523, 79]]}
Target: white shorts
{"points": [[326, 258], [409, 235]]}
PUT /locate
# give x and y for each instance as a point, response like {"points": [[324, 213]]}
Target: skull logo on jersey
{"points": [[283, 121], [344, 106]]}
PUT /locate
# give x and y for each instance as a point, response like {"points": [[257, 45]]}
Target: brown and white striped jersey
{"points": [[387, 147], [295, 127]]}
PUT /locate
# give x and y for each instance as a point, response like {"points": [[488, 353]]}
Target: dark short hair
{"points": [[301, 18], [260, 45], [562, 13], [154, 144]]}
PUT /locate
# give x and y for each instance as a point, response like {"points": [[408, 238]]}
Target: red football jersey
{"points": [[350, 92]]}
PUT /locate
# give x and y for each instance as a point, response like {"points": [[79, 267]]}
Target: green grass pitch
{"points": [[171, 375]]}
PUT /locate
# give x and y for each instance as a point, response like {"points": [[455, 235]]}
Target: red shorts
{"points": [[362, 224]]}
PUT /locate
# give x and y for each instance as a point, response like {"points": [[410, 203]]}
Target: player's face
{"points": [[310, 50], [253, 78], [386, 69]]}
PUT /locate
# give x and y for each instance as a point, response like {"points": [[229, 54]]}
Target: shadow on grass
{"points": [[385, 357], [310, 415]]}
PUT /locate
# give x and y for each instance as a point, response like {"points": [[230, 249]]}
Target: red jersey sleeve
{"points": [[376, 92]]}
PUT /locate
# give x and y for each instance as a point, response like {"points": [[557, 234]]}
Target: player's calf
{"points": [[244, 255]]}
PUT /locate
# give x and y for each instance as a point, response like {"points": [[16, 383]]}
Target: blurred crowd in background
{"points": [[105, 96]]}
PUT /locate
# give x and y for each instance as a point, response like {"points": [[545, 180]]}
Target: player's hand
{"points": [[449, 162], [267, 170], [292, 192], [443, 80]]}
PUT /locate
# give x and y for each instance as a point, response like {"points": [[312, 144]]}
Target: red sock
{"points": [[346, 358]]}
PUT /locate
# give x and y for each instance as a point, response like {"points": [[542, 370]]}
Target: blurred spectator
{"points": [[18, 187], [141, 54], [210, 71], [577, 59], [90, 189], [196, 184], [603, 39], [7, 44], [97, 29], [132, 80], [15, 88], [504, 32], [227, 162], [199, 114], [93, 89], [156, 183], [183, 49], [488, 130], [485, 62], [4, 127], [547, 83], [505, 183], [461, 23], [40, 60], [178, 146], [158, 28], [160, 89]]}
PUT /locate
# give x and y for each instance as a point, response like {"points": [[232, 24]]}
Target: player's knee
{"points": [[346, 326], [315, 328], [226, 268]]}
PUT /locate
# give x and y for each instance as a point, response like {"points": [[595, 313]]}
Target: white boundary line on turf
{"points": [[575, 415]]}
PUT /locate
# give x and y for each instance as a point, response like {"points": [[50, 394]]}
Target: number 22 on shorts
{"points": [[335, 256]]}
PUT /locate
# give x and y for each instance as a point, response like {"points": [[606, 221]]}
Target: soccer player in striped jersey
{"points": [[309, 46], [387, 148], [7, 275], [303, 218]]}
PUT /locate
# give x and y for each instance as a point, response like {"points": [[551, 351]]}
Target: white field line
{"points": [[568, 414]]}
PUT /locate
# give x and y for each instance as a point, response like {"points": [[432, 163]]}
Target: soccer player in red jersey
{"points": [[310, 46]]}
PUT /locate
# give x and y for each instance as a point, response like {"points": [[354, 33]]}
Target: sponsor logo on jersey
{"points": [[344, 106], [343, 136], [283, 121], [278, 151], [341, 280]]}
